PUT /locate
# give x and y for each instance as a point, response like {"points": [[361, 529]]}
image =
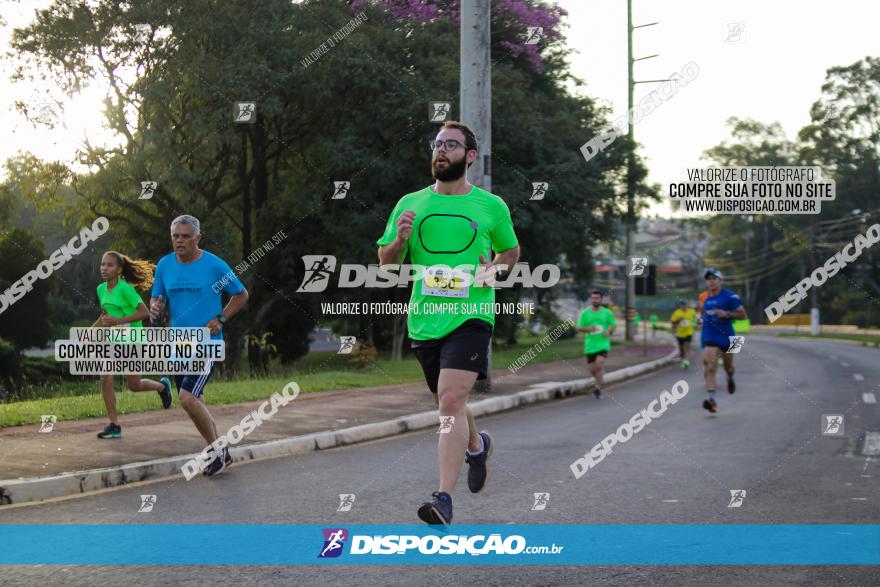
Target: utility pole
{"points": [[631, 168], [475, 88], [475, 85]]}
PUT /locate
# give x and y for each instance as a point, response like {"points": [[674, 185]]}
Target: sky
{"points": [[772, 71]]}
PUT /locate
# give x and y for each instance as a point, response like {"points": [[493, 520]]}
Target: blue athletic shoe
{"points": [[165, 394], [111, 431], [478, 473], [439, 511]]}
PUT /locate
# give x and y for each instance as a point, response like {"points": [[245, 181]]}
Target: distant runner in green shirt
{"points": [[598, 323], [450, 230], [122, 307]]}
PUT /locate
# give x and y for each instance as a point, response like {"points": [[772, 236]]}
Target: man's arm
{"points": [[739, 313], [235, 304], [507, 259], [394, 252]]}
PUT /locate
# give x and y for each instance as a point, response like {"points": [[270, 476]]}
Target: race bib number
{"points": [[445, 282], [598, 329], [684, 323]]}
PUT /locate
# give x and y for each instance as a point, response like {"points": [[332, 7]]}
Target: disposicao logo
{"points": [[334, 540]]}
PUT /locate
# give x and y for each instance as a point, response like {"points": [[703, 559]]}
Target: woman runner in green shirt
{"points": [[122, 305]]}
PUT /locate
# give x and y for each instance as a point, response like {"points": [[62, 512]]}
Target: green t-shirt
{"points": [[601, 320], [450, 231], [120, 301]]}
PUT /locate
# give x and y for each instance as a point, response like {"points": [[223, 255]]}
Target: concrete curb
{"points": [[16, 491]]}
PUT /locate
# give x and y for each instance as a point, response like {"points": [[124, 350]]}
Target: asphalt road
{"points": [[680, 469]]}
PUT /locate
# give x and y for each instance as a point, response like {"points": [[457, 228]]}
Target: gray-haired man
{"points": [[185, 278]]}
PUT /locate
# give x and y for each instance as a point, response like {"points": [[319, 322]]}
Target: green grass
{"points": [[317, 371], [868, 339]]}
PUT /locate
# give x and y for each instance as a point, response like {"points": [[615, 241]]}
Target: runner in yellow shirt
{"points": [[683, 320]]}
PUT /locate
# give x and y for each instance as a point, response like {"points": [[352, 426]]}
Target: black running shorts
{"points": [[591, 357], [465, 348]]}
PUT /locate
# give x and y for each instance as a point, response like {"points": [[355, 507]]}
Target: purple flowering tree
{"points": [[520, 28]]}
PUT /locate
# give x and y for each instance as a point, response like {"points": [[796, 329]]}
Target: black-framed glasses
{"points": [[448, 144]]}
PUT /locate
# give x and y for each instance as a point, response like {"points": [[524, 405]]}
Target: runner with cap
{"points": [[720, 308]]}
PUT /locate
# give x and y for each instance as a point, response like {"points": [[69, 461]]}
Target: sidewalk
{"points": [[73, 446]]}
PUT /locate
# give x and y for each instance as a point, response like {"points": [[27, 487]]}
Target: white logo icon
{"points": [[533, 35], [147, 503], [45, 113], [47, 423], [832, 424], [340, 189], [736, 344], [637, 266], [736, 32], [541, 500], [319, 268], [346, 345], [346, 500], [439, 111], [446, 423], [246, 112], [148, 188], [539, 190], [141, 32], [737, 496]]}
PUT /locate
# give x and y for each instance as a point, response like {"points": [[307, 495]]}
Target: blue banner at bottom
{"points": [[609, 544]]}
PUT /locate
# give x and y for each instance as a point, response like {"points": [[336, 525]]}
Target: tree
{"points": [[23, 322]]}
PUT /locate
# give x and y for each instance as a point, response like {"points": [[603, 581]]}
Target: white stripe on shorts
{"points": [[199, 387]]}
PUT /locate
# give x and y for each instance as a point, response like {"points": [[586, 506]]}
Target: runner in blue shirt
{"points": [[720, 308], [192, 281]]}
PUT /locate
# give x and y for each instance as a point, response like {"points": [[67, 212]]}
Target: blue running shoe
{"points": [[439, 511], [478, 473], [111, 431], [165, 394]]}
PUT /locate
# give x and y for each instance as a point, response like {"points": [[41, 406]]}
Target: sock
{"points": [[711, 394], [482, 447]]}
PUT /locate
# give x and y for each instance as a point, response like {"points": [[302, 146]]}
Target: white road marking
{"points": [[871, 447], [858, 377], [869, 398], [860, 499], [670, 501], [844, 364]]}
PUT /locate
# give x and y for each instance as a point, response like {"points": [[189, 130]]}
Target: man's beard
{"points": [[452, 171], [596, 304]]}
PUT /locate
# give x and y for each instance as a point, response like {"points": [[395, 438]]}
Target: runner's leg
{"points": [[135, 383], [728, 363], [452, 390], [474, 442], [198, 412], [109, 395], [599, 371], [710, 363]]}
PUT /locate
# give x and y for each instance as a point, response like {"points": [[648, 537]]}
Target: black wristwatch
{"points": [[221, 318]]}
